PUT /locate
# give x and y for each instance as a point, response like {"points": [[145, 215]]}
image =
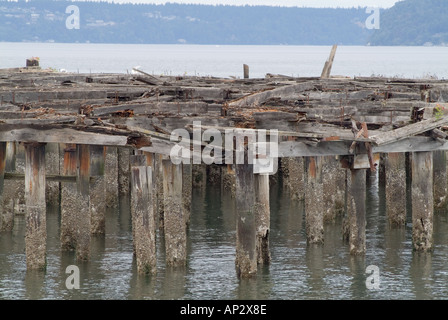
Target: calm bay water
{"points": [[297, 270], [225, 61]]}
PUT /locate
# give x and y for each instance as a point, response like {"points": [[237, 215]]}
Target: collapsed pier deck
{"points": [[325, 128]]}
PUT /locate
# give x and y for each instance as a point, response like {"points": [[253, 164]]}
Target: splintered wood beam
{"points": [[408, 131]]}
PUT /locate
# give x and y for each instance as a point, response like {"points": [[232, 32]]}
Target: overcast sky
{"points": [[289, 3]]}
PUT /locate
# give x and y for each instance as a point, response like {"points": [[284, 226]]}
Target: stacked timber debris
{"points": [[355, 119], [139, 106]]}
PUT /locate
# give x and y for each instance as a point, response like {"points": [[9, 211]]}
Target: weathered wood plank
{"points": [[407, 131], [64, 135]]}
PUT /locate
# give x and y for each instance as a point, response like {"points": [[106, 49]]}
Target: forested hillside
{"points": [[410, 22], [175, 23], [414, 23]]}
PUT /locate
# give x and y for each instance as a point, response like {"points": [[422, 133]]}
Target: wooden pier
{"points": [[83, 140]]}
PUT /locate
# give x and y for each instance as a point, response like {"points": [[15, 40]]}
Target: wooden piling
{"points": [[123, 155], [52, 191], [97, 190], [151, 161], [333, 188], [111, 177], [158, 170], [246, 256], [422, 201], [295, 177], [228, 182], [395, 181], [83, 200], [262, 218], [142, 212], [36, 230], [174, 220], [68, 200], [187, 185], [356, 210], [314, 202], [12, 190], [199, 172]]}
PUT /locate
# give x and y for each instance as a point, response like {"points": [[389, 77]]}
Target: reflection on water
{"points": [[297, 270]]}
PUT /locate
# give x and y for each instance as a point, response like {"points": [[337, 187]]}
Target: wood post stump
{"points": [[246, 71], [199, 172], [314, 201], [111, 177], [68, 199], [151, 161], [9, 197], [395, 176], [333, 188], [36, 230], [158, 170], [97, 189], [75, 201], [228, 182], [83, 203], [246, 255], [187, 185], [422, 201], [174, 219], [356, 210], [12, 189], [142, 212], [262, 218], [296, 177], [123, 155], [52, 192]]}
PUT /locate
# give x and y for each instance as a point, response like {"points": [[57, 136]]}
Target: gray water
{"points": [[297, 271], [228, 60]]}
